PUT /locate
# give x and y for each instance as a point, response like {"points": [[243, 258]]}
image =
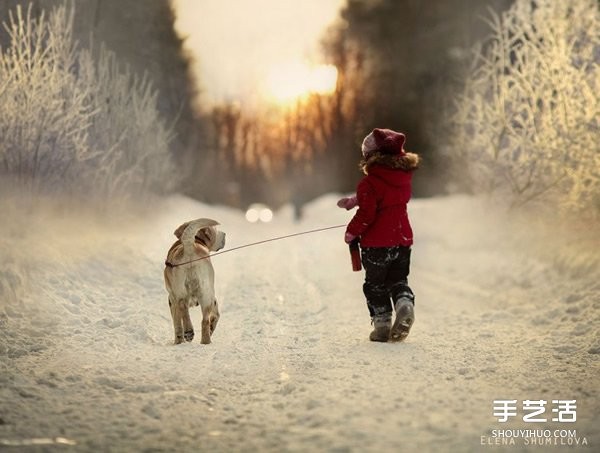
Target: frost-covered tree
{"points": [[71, 125], [44, 110], [128, 137], [527, 124]]}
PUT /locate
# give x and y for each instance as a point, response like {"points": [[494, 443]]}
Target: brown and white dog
{"points": [[190, 277]]}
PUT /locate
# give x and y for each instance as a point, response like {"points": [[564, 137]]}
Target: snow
{"points": [[87, 361]]}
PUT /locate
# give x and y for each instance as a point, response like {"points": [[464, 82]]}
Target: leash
{"points": [[278, 238]]}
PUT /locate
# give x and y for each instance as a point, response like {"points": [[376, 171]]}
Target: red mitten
{"points": [[348, 202], [348, 237]]}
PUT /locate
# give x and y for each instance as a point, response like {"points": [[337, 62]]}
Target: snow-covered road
{"points": [[87, 362]]}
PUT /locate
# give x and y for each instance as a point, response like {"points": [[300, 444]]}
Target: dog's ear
{"points": [[207, 235]]}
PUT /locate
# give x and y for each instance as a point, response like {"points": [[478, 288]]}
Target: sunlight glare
{"points": [[323, 79], [290, 81]]}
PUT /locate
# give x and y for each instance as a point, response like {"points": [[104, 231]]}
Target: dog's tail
{"points": [[188, 235]]}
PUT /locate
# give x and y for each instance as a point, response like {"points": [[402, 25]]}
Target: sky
{"points": [[237, 43]]}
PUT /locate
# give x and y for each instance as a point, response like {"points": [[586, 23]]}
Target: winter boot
{"points": [[405, 317], [382, 324]]}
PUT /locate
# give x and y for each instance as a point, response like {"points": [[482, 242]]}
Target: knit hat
{"points": [[386, 141]]}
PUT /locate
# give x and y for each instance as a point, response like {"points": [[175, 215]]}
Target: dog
{"points": [[190, 277]]}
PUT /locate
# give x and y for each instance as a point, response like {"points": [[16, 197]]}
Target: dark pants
{"points": [[386, 277]]}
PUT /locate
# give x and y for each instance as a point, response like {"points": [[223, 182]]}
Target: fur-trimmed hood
{"points": [[405, 161]]}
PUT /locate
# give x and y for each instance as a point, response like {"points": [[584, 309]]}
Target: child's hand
{"points": [[348, 237], [348, 202]]}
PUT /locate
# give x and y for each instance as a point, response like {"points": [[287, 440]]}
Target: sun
{"points": [[289, 82]]}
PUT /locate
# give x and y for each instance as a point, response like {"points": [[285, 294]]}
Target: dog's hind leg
{"points": [[188, 328], [177, 322], [214, 317], [206, 314]]}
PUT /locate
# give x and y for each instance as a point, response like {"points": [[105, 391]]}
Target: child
{"points": [[382, 225]]}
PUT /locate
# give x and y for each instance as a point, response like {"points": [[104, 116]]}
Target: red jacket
{"points": [[382, 219]]}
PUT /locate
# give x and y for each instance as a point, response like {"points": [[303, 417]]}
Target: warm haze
{"points": [[256, 52]]}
